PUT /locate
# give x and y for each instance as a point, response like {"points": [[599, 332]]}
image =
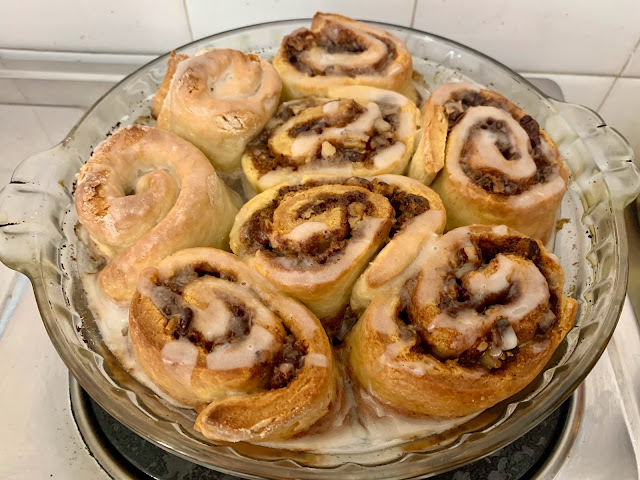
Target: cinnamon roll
{"points": [[144, 194], [362, 131], [498, 165], [475, 325], [312, 240], [341, 51], [213, 334], [218, 100]]}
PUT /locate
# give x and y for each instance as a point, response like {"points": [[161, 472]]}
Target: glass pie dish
{"points": [[38, 235]]}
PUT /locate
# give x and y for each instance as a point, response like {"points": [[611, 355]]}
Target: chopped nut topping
{"points": [[328, 150]]}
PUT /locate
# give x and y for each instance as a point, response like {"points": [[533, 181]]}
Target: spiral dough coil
{"points": [[474, 326], [143, 195], [339, 51], [215, 335], [219, 100], [494, 164], [360, 131]]}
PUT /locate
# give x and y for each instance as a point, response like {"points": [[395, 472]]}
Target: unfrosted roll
{"points": [[215, 335], [339, 51], [219, 100], [475, 324], [494, 164], [144, 194], [360, 131]]}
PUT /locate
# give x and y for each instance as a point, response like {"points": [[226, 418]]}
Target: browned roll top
{"points": [[475, 326], [360, 131], [492, 162], [313, 239], [341, 51], [255, 233], [333, 37], [144, 194], [213, 334], [507, 132]]}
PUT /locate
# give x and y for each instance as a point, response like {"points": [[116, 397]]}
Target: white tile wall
{"points": [[584, 46], [27, 130], [101, 26], [587, 90], [621, 110], [208, 17], [568, 36], [633, 68]]}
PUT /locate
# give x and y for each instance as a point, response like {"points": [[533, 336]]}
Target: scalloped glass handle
{"points": [[30, 209], [611, 152]]}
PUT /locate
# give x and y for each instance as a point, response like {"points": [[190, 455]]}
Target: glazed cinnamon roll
{"points": [[144, 194], [478, 322], [218, 100], [313, 240], [341, 51], [498, 165], [362, 131], [213, 334]]}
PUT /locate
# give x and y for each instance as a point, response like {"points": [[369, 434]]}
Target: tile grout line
{"points": [[186, 13], [619, 75], [413, 13]]}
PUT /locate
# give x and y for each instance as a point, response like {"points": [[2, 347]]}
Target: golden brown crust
{"points": [[224, 355], [163, 90], [426, 367], [219, 100], [135, 219], [396, 256], [341, 51], [494, 164]]}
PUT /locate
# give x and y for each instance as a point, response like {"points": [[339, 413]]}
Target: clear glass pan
{"points": [[37, 237]]}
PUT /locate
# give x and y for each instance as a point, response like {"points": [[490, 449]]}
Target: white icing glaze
{"points": [[305, 231], [509, 338], [540, 346], [347, 435], [331, 107], [179, 357], [293, 271], [316, 360], [396, 349], [306, 143], [112, 320], [389, 155], [485, 140], [214, 320], [536, 193], [470, 324], [501, 230], [481, 286], [390, 98], [320, 58], [244, 353]]}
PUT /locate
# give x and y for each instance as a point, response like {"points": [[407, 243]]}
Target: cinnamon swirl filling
{"points": [[213, 334], [364, 131], [314, 238], [303, 48], [492, 162], [339, 51], [476, 324]]}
